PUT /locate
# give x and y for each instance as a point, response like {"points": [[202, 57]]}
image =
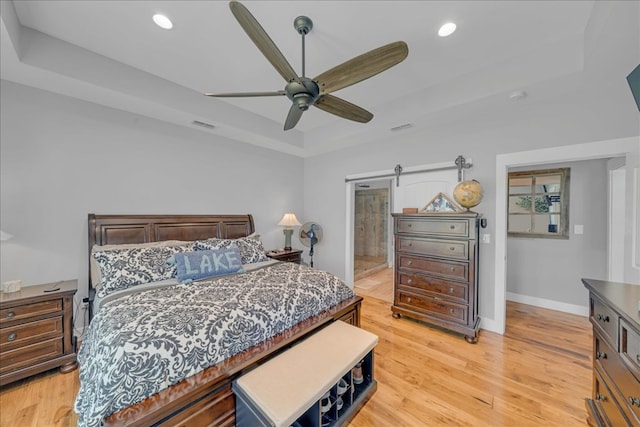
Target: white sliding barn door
{"points": [[417, 189]]}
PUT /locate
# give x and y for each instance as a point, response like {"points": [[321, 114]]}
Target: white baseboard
{"points": [[550, 304]]}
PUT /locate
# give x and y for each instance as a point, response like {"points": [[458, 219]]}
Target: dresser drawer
{"points": [[441, 248], [444, 309], [606, 402], [630, 347], [453, 228], [627, 384], [15, 336], [29, 310], [457, 292], [447, 269], [605, 319], [30, 355]]}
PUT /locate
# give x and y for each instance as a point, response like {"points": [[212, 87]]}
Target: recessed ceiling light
{"points": [[447, 29], [162, 21]]}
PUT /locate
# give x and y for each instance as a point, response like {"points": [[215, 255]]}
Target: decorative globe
{"points": [[468, 193]]}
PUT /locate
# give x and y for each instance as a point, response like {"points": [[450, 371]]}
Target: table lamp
{"points": [[288, 221]]}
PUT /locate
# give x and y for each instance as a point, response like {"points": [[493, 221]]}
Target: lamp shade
{"points": [[289, 220], [7, 236]]}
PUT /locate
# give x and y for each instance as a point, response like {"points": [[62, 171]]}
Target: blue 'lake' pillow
{"points": [[202, 264]]}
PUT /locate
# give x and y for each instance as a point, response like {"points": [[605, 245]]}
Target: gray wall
{"points": [[551, 268], [62, 158]]}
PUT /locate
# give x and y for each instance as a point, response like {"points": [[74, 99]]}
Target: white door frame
{"points": [[625, 147], [616, 214]]}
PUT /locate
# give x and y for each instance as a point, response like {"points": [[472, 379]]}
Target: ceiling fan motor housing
{"points": [[303, 94]]}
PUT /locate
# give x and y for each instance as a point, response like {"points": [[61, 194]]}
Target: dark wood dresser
{"points": [[436, 270], [36, 330], [613, 312]]}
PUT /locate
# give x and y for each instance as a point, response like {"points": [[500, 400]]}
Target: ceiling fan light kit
{"points": [[304, 92]]}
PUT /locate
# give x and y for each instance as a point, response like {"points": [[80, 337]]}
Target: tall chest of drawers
{"points": [[36, 330], [613, 312], [436, 270]]}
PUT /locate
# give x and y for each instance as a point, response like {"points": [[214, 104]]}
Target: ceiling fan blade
{"points": [[334, 105], [293, 117], [262, 40], [362, 67], [246, 94]]}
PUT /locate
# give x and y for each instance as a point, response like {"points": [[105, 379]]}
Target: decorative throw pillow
{"points": [[202, 264], [124, 268], [251, 249]]}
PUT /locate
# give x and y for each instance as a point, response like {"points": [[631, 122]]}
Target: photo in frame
{"points": [[441, 203]]}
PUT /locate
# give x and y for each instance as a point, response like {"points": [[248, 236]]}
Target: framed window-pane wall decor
{"points": [[538, 204]]}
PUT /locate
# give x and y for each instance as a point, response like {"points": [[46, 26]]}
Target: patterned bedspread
{"points": [[144, 342]]}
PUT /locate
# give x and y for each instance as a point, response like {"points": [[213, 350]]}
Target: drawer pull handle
{"points": [[410, 244], [409, 262], [601, 355], [12, 337], [10, 314], [409, 225], [451, 310], [453, 269], [410, 281], [452, 248], [408, 299], [453, 227], [601, 397], [451, 290], [602, 318], [634, 401]]}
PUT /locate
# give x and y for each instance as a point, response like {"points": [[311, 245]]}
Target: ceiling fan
{"points": [[304, 91]]}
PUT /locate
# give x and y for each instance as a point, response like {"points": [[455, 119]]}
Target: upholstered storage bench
{"points": [[291, 388]]}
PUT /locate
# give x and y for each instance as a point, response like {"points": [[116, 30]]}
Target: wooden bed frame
{"points": [[205, 398]]}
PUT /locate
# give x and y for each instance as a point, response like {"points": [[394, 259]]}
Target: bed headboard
{"points": [[119, 229]]}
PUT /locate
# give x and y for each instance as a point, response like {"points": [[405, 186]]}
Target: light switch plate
{"points": [[578, 229], [486, 238]]}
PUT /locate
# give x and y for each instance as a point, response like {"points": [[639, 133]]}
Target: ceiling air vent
{"points": [[203, 124], [402, 127]]}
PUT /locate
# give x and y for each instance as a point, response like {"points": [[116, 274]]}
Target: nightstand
{"points": [[294, 255], [36, 330]]}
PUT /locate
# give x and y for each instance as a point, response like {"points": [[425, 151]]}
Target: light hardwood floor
{"points": [[377, 285], [537, 374]]}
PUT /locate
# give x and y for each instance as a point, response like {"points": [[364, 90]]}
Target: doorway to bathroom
{"points": [[371, 228]]}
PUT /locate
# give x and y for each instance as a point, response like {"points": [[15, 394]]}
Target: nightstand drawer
{"points": [[30, 355], [15, 336], [434, 247], [438, 228], [30, 310], [448, 269], [453, 291]]}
